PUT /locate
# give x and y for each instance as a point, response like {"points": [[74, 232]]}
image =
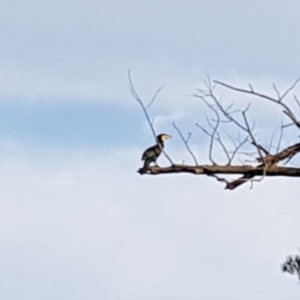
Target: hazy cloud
{"points": [[86, 227]]}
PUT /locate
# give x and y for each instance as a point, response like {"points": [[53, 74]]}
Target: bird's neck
{"points": [[161, 143]]}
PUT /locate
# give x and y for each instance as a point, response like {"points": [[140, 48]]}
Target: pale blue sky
{"points": [[76, 221]]}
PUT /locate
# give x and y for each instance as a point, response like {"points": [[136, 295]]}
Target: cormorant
{"points": [[151, 154]]}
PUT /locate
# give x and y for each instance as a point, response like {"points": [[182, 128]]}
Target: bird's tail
{"points": [[145, 167]]}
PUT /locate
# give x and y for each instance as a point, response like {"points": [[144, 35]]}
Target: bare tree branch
{"points": [[238, 147], [292, 265], [259, 148], [290, 89], [186, 142], [144, 108], [226, 118], [286, 111], [154, 97], [246, 170]]}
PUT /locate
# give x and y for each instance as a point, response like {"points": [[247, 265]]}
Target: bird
{"points": [[151, 154]]}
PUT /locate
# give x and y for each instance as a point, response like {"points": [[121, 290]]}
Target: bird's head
{"points": [[163, 137]]}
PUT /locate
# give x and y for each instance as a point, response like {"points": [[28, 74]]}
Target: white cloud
{"points": [[33, 85], [83, 50], [87, 226]]}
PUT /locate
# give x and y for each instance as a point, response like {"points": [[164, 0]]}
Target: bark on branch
{"points": [[209, 170]]}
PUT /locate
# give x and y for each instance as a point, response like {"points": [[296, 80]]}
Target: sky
{"points": [[76, 220]]}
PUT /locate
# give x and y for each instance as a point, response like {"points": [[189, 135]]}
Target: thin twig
{"points": [[277, 91], [154, 96], [144, 108], [259, 150], [286, 111], [290, 89], [186, 142], [280, 137], [237, 149]]}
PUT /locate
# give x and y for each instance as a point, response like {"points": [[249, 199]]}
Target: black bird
{"points": [[151, 154]]}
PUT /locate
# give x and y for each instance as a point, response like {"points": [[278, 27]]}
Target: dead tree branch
{"points": [[210, 170], [292, 265], [287, 110], [224, 118], [186, 142], [145, 109]]}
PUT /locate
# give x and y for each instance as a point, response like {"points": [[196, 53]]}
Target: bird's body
{"points": [[151, 154]]}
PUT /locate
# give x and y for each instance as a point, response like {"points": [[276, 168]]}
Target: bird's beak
{"points": [[168, 137]]}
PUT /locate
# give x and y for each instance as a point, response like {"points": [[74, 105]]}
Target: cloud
{"points": [[87, 226], [31, 86], [78, 222], [83, 52]]}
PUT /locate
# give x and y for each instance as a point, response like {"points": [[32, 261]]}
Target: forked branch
{"points": [[145, 109], [225, 118]]}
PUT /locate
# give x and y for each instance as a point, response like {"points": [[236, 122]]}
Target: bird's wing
{"points": [[149, 153]]}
